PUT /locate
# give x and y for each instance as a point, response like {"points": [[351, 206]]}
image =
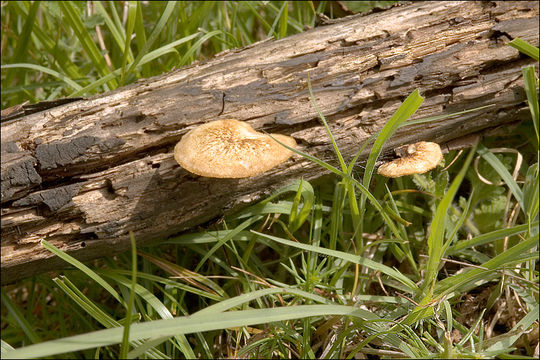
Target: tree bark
{"points": [[83, 174]]}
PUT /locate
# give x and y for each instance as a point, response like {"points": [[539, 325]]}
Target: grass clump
{"points": [[443, 264], [423, 279]]}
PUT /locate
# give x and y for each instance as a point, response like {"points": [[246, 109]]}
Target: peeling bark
{"points": [[83, 174]]}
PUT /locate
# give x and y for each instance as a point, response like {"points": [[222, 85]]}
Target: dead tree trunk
{"points": [[83, 174]]}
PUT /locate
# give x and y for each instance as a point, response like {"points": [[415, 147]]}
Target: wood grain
{"points": [[85, 173]]}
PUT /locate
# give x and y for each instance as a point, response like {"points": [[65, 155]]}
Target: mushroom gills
{"points": [[416, 158]]}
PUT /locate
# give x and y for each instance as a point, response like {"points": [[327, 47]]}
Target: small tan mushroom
{"points": [[230, 149], [416, 158]]}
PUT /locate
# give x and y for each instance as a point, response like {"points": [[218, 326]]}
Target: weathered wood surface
{"points": [[83, 174]]}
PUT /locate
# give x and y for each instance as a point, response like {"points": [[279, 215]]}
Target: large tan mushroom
{"points": [[230, 149], [416, 158]]}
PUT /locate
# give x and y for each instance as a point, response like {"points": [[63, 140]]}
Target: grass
{"points": [[78, 48], [443, 264]]}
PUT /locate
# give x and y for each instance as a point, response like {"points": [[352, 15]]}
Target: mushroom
{"points": [[230, 149], [416, 158]]}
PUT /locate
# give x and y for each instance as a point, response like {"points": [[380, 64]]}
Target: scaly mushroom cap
{"points": [[416, 158], [230, 149]]}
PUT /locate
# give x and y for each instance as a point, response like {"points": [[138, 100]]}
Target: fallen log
{"points": [[82, 174]]}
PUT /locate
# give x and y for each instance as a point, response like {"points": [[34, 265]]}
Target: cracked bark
{"points": [[82, 174]]}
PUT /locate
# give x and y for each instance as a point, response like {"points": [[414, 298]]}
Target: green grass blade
{"points": [[472, 329], [228, 237], [438, 225], [283, 20], [387, 218], [13, 310], [328, 131], [464, 215], [246, 298], [45, 70], [132, 13], [208, 237], [526, 48], [138, 351], [41, 39], [359, 152], [312, 158], [405, 111], [23, 43], [120, 277], [154, 54], [443, 117], [85, 269], [156, 304], [282, 13], [488, 238], [145, 59], [261, 19], [414, 122], [531, 196], [93, 310], [24, 39], [124, 348], [348, 257], [117, 31], [94, 85], [531, 88], [502, 342], [154, 35], [140, 36], [73, 19], [499, 167], [513, 256], [81, 300], [6, 347], [196, 47], [183, 325], [297, 218]]}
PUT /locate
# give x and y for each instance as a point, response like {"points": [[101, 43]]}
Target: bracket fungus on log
{"points": [[230, 149], [416, 158]]}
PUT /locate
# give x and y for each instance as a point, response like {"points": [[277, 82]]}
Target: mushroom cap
{"points": [[230, 149], [416, 158]]}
